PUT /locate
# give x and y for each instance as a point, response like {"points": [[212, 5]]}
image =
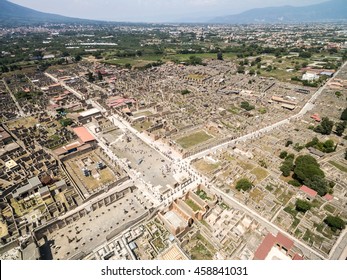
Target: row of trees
{"points": [[325, 147], [326, 126]]}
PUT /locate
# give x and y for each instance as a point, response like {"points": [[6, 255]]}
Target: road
{"points": [[226, 197], [339, 250], [307, 107], [64, 85], [22, 114], [175, 159]]}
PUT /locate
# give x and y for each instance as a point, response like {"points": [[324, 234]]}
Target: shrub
{"points": [[283, 154], [243, 184], [335, 223], [302, 206]]}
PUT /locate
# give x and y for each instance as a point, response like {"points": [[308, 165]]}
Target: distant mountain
{"points": [[12, 14], [331, 11]]}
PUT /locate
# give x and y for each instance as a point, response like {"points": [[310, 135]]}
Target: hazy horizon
{"points": [[152, 10]]}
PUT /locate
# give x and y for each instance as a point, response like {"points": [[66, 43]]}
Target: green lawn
{"points": [[192, 205], [339, 166], [193, 139], [260, 173]]}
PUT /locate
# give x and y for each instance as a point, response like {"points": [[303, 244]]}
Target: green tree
{"points": [[325, 127], [304, 54], [66, 122], [312, 143], [340, 128], [302, 205], [240, 69], [38, 54], [285, 169], [317, 183], [338, 94], [288, 165], [244, 185], [344, 115], [194, 60], [283, 154], [335, 223], [307, 167], [65, 54], [185, 91], [78, 58], [220, 55], [288, 143]]}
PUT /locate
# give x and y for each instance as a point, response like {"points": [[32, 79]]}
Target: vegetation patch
{"points": [[302, 206], [205, 167], [192, 205], [260, 173], [244, 184], [203, 195], [335, 223], [339, 166], [193, 139], [325, 147]]}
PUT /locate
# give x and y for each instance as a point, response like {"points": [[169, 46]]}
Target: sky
{"points": [[153, 10]]}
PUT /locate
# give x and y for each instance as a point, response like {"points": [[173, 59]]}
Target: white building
{"points": [[310, 77]]}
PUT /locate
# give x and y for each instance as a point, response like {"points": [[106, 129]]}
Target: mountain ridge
{"points": [[14, 14], [333, 10]]}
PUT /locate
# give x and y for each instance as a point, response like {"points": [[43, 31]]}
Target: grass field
{"points": [[192, 205], [245, 165], [256, 195], [205, 167], [339, 166], [141, 126], [144, 113], [193, 139], [26, 122], [260, 173]]}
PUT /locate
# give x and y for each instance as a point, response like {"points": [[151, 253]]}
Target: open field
{"points": [[206, 167], [193, 139]]}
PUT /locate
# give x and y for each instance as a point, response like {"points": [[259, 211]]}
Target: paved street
{"points": [[175, 162]]}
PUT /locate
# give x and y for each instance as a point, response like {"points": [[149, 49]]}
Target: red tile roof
{"points": [[328, 197], [316, 117], [308, 191], [297, 258], [284, 241], [265, 247], [83, 134], [269, 242]]}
